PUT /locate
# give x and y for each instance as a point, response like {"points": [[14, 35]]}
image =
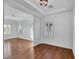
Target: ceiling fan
{"points": [[45, 3]]}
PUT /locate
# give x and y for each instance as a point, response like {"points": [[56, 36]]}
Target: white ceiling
{"points": [[34, 7], [57, 5], [14, 14]]}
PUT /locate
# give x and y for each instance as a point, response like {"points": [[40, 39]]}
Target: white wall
{"points": [[26, 29], [62, 27], [13, 29], [36, 30], [74, 31]]}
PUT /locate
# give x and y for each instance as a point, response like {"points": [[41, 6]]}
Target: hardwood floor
{"points": [[17, 48], [44, 51]]}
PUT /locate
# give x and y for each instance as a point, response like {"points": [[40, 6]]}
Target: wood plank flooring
{"points": [[17, 48]]}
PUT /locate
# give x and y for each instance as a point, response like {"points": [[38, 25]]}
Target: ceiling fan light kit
{"points": [[43, 2]]}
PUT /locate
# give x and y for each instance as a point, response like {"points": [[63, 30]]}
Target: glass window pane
{"points": [[7, 29]]}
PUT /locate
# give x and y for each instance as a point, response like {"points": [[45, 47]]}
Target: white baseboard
{"points": [[36, 44], [51, 44]]}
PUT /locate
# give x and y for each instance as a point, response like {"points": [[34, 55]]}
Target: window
{"points": [[32, 33], [7, 29]]}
